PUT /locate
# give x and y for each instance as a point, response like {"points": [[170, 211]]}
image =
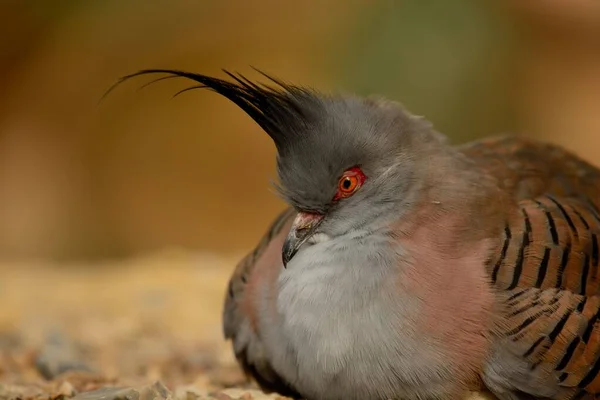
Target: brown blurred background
{"points": [[165, 195], [142, 171]]}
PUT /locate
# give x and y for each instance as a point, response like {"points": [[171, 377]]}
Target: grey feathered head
{"points": [[321, 139]]}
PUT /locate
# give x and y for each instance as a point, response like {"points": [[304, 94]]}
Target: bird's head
{"points": [[343, 161]]}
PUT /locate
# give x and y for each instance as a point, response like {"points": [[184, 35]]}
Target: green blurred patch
{"points": [[449, 61]]}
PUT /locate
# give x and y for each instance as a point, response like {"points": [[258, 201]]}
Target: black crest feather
{"points": [[281, 111]]}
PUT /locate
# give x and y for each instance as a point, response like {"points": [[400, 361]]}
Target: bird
{"points": [[408, 267]]}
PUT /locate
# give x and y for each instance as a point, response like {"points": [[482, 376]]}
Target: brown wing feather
{"points": [[550, 263], [239, 312], [547, 266], [551, 243]]}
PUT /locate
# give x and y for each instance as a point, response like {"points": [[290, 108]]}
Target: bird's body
{"points": [[333, 326], [408, 268]]}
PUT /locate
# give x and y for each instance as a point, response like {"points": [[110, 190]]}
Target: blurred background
{"points": [[106, 184], [143, 171]]}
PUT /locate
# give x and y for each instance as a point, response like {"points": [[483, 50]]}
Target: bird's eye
{"points": [[349, 183]]}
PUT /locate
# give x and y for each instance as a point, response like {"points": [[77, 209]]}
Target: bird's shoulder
{"points": [[527, 168], [550, 234]]}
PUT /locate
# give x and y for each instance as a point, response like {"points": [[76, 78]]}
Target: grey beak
{"points": [[302, 229]]}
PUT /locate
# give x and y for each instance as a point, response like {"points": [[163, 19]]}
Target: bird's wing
{"points": [[240, 310], [546, 268], [548, 273], [552, 243]]}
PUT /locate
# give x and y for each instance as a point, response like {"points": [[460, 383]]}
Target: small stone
{"points": [[66, 389], [155, 391], [189, 392], [109, 393], [10, 392], [220, 396], [58, 356]]}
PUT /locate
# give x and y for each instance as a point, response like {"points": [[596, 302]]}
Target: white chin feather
{"points": [[318, 238]]}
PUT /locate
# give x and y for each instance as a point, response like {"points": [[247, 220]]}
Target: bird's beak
{"points": [[302, 229]]}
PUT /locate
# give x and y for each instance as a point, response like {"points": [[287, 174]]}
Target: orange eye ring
{"points": [[349, 183]]}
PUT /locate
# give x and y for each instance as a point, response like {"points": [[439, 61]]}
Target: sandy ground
{"points": [[124, 324], [144, 328]]}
